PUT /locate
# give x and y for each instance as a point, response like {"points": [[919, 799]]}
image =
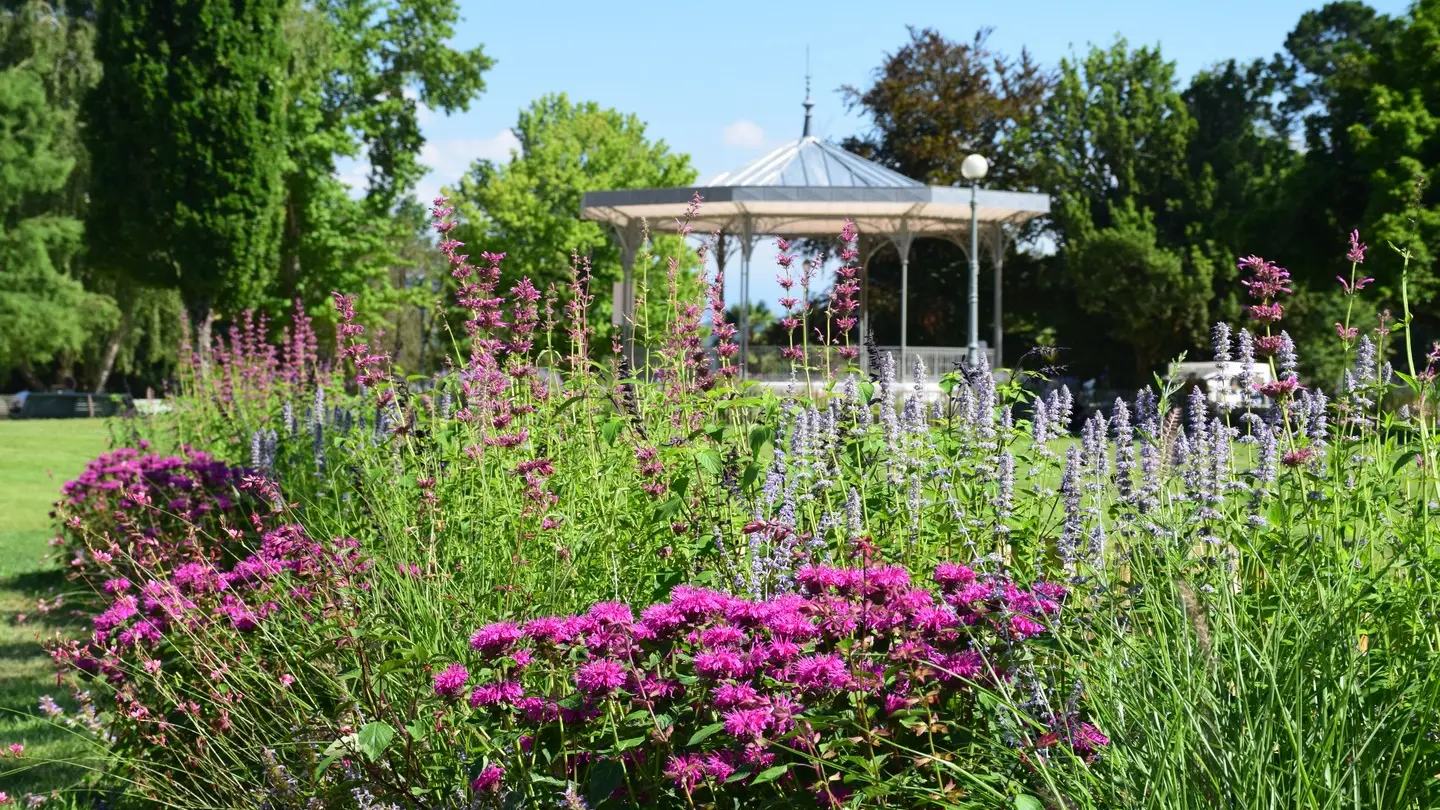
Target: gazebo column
{"points": [[868, 246], [998, 339], [747, 245], [629, 237], [720, 247], [903, 239]]}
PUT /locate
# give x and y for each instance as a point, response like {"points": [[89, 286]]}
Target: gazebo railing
{"points": [[767, 362]]}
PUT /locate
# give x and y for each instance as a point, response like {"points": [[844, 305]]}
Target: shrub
{"points": [[207, 659], [854, 685], [132, 514]]}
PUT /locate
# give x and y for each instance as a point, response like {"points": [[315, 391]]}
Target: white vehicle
{"points": [[1222, 381]]}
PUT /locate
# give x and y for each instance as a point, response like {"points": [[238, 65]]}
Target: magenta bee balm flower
{"points": [[451, 682]]}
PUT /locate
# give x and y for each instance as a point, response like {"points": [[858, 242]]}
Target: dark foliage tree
{"points": [[186, 135], [934, 101]]}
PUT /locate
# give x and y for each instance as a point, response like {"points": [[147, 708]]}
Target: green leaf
{"points": [[1405, 458], [374, 738], [743, 773], [709, 461], [604, 779], [546, 779], [759, 437], [417, 729], [752, 472], [611, 429], [680, 484], [325, 765], [1027, 802], [770, 774], [349, 744], [704, 734], [669, 509]]}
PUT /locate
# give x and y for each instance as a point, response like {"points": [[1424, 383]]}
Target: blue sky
{"points": [[724, 81]]}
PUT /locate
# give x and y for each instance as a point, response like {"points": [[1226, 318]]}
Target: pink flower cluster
{"points": [[486, 382], [243, 367], [201, 594], [723, 331], [1266, 282], [844, 296], [866, 644], [131, 512], [188, 630], [369, 368]]}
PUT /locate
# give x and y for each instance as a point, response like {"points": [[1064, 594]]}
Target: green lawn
{"points": [[36, 457]]}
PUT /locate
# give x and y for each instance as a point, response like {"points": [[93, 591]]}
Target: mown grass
{"points": [[36, 457]]}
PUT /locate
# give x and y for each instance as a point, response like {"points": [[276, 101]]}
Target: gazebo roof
{"points": [[809, 187], [814, 163], [815, 210]]}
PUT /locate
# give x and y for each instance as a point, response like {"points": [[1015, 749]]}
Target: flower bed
{"points": [[717, 698], [133, 513], [557, 580]]}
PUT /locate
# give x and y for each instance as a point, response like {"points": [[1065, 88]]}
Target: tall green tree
{"points": [[529, 208], [186, 134], [1396, 147], [46, 313], [930, 103], [934, 101], [1358, 90], [1111, 148], [361, 72], [1238, 159]]}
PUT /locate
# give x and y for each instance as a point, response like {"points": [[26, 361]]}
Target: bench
{"points": [[73, 405]]}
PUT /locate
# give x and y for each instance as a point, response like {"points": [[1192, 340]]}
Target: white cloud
{"points": [[745, 134], [449, 159]]}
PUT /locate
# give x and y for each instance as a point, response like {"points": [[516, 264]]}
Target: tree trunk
{"points": [[290, 264], [112, 350], [202, 319], [65, 368], [1144, 364], [35, 383]]}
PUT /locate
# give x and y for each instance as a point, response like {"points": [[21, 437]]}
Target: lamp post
{"points": [[973, 169]]}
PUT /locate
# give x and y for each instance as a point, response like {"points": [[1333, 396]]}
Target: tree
{"points": [[46, 313], [1111, 148], [934, 101], [1148, 297], [1397, 147], [1238, 159], [186, 133], [1360, 87], [529, 208], [43, 309], [359, 73]]}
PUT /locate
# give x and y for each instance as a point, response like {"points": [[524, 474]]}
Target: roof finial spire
{"points": [[808, 103]]}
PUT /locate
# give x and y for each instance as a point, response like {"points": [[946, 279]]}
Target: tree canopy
{"points": [[45, 309], [528, 208], [187, 142], [153, 152]]}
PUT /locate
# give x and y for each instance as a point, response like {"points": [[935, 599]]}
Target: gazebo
{"points": [[808, 188]]}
